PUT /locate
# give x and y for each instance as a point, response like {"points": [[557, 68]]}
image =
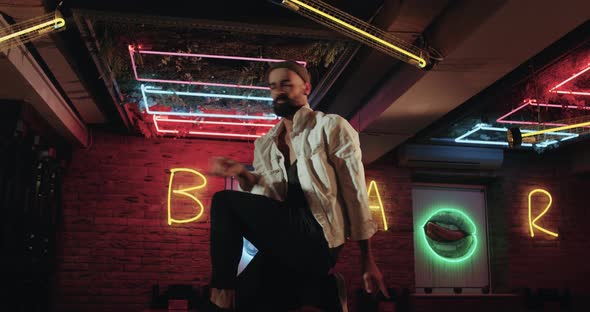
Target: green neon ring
{"points": [[454, 260]]}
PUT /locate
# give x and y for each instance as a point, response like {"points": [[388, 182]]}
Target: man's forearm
{"points": [[247, 180], [366, 252]]}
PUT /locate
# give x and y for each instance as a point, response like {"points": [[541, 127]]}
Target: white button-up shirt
{"points": [[329, 169]]}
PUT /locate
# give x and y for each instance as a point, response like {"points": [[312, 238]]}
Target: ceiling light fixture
{"points": [[133, 50], [147, 89], [359, 30], [208, 95], [533, 102], [208, 122], [554, 89], [485, 127], [553, 130], [29, 30], [207, 133]]}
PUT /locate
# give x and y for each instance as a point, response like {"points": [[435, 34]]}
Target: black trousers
{"points": [[293, 260]]}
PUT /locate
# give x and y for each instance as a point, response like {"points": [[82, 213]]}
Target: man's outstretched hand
{"points": [[225, 167]]}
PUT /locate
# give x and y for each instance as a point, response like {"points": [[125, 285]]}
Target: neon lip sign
{"points": [[531, 102], [554, 89], [133, 50], [485, 127], [150, 90], [447, 244]]}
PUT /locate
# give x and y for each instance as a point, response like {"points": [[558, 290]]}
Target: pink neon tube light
{"points": [[235, 135], [227, 123], [571, 92], [534, 103], [133, 50], [585, 69]]}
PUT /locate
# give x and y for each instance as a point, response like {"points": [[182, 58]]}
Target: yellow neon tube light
{"points": [[372, 185], [532, 221], [578, 125], [55, 23], [15, 35], [185, 192], [295, 4]]}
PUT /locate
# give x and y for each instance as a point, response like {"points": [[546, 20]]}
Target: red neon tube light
{"points": [[532, 102], [553, 90]]}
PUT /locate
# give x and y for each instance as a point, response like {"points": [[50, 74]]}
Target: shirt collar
{"points": [[300, 120]]}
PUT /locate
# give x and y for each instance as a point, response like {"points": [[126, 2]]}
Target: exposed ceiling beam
{"points": [[85, 28], [24, 79], [482, 41], [406, 20], [214, 25], [59, 65], [70, 82]]}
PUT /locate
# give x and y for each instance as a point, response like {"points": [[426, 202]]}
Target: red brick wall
{"points": [[519, 261], [393, 249], [541, 261], [116, 243]]}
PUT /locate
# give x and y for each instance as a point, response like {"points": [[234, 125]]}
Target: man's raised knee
{"points": [[221, 198]]}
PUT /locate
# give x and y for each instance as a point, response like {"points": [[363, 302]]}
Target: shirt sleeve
{"points": [[260, 187], [257, 161], [345, 153]]}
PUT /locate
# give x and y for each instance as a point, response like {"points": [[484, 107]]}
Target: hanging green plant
{"points": [[324, 53]]}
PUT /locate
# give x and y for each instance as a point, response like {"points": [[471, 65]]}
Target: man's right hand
{"points": [[225, 167]]}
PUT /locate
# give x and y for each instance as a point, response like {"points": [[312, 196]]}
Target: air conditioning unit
{"points": [[452, 157]]}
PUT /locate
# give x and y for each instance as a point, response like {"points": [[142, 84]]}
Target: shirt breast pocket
{"points": [[273, 183], [272, 175], [318, 162]]}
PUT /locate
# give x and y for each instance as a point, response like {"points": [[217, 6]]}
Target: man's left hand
{"points": [[373, 279]]}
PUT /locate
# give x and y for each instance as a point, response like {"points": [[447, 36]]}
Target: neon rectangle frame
{"points": [[533, 102], [203, 133], [133, 50], [212, 122], [554, 89], [146, 89], [486, 127]]}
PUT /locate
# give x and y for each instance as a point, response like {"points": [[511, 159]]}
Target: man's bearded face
{"points": [[283, 106]]}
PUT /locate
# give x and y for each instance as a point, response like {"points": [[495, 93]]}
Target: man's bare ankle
{"points": [[223, 298]]}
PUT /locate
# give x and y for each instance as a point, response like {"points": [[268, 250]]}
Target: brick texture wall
{"points": [[522, 261], [115, 242]]}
